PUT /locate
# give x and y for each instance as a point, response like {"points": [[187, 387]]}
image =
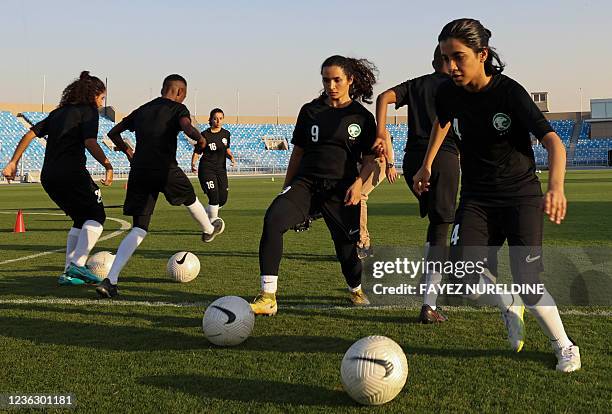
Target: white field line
{"points": [[124, 226], [114, 302]]}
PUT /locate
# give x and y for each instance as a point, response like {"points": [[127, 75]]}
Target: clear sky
{"points": [[272, 50]]}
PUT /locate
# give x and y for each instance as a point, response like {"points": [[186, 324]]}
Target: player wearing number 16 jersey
{"points": [[332, 135], [212, 170]]}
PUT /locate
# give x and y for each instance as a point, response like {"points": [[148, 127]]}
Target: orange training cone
{"points": [[19, 224]]}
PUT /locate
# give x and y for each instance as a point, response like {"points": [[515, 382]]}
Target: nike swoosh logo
{"points": [[387, 365], [530, 259], [231, 316], [353, 232], [183, 259]]}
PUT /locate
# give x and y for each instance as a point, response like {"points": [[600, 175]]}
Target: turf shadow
{"points": [[249, 391]]}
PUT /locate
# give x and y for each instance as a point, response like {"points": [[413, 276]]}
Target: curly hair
{"points": [[83, 90], [363, 73]]}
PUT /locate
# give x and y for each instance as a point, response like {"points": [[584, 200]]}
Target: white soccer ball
{"points": [[100, 263], [374, 370], [228, 321], [183, 267]]}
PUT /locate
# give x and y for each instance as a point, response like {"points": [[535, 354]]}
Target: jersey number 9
{"points": [[314, 131]]}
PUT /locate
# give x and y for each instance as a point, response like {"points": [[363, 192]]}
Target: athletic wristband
{"points": [[390, 165]]}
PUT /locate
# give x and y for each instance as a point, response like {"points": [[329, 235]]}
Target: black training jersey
{"points": [[420, 96], [333, 139], [156, 125], [67, 128], [493, 127], [217, 143]]}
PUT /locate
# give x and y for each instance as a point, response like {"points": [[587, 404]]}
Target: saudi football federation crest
{"points": [[501, 122], [354, 130], [224, 140]]}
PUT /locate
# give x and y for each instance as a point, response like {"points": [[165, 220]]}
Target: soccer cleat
{"points": [[429, 315], [359, 298], [106, 289], [515, 324], [218, 228], [65, 280], [83, 273], [265, 304], [568, 358]]}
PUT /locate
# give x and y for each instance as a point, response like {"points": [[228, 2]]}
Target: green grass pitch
{"points": [[131, 356]]}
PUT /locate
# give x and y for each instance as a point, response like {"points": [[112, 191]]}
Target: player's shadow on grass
{"points": [[546, 358], [357, 315], [165, 254], [249, 391]]}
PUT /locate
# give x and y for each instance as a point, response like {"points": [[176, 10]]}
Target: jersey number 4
{"points": [[455, 235], [314, 131]]}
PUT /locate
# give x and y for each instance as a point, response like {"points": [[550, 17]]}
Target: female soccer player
{"points": [[212, 171], [438, 204], [501, 198], [332, 135], [71, 128]]}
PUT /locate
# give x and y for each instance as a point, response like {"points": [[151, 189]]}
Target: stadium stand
{"points": [[250, 151]]}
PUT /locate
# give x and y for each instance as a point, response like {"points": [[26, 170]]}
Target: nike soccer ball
{"points": [[374, 370], [100, 263], [183, 267], [228, 321]]}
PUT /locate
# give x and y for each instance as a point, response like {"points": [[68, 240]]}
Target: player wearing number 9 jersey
{"points": [[501, 199], [332, 135], [69, 129], [212, 170]]}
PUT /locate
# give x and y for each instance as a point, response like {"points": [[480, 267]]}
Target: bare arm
{"points": [[421, 178], [194, 160], [555, 203], [353, 194], [10, 170], [294, 163], [94, 149], [115, 135], [192, 131], [230, 155]]}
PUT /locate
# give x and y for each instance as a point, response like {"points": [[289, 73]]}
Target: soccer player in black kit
{"points": [[154, 170], [438, 204], [70, 129], [501, 197], [333, 133], [212, 169]]}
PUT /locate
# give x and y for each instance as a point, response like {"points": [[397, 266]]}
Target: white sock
{"points": [[88, 236], [71, 242], [503, 301], [269, 283], [431, 279], [547, 315], [126, 249], [198, 212], [213, 211], [355, 289]]}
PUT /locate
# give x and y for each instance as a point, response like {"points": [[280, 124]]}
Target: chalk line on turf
{"points": [[124, 226], [115, 302]]}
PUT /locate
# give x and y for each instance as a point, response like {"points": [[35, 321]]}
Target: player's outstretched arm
{"points": [[94, 149], [115, 135], [421, 178], [555, 203], [294, 164], [10, 170], [191, 131]]}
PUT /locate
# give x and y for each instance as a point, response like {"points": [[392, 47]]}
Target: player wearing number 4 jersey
{"points": [[69, 129], [501, 199], [332, 135], [154, 170], [212, 170]]}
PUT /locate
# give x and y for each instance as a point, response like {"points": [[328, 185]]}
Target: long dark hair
{"points": [[212, 114], [474, 35], [83, 90], [362, 71]]}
